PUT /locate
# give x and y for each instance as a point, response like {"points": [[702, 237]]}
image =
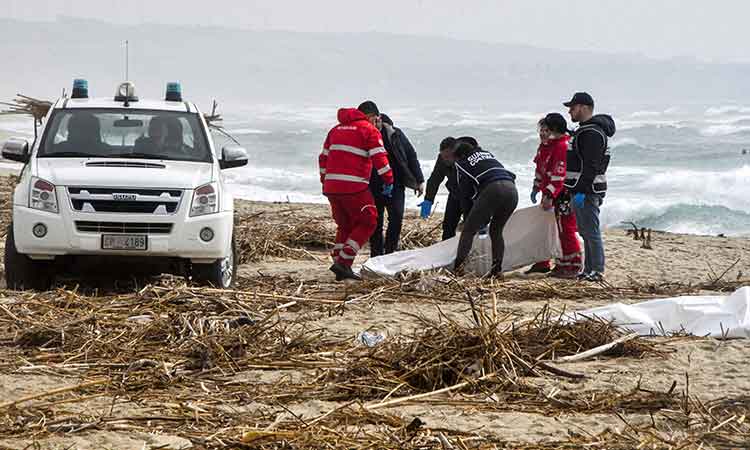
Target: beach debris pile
{"points": [[6, 202], [293, 233], [281, 235], [237, 368], [419, 233], [26, 105], [491, 355], [256, 367]]}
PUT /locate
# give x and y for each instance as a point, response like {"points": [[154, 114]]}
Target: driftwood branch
{"points": [[52, 392], [23, 104], [398, 401], [597, 350]]}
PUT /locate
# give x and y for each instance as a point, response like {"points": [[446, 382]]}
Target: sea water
{"points": [[674, 168]]}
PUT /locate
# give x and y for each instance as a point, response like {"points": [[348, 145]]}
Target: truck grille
{"points": [[117, 200], [123, 227]]}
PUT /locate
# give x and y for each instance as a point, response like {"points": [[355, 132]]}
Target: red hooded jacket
{"points": [[350, 151], [551, 160]]}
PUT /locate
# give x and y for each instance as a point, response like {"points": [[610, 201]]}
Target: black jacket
{"points": [[401, 157], [476, 170], [442, 170], [588, 156]]}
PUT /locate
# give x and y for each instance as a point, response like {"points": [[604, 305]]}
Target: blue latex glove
{"points": [[426, 209], [534, 193], [387, 190], [578, 200]]}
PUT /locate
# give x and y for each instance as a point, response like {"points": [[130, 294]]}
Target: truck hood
{"points": [[124, 173]]}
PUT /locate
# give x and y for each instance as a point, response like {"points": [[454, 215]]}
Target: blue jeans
{"points": [[589, 228]]}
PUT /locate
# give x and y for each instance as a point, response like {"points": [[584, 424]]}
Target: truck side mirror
{"points": [[16, 149], [233, 156]]}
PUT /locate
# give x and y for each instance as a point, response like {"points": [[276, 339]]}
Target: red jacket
{"points": [[350, 151], [550, 162]]}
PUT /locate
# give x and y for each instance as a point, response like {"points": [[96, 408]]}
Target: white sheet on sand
{"points": [[530, 236], [715, 316]]}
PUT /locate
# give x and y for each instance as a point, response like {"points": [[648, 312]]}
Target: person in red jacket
{"points": [[551, 163], [351, 150]]}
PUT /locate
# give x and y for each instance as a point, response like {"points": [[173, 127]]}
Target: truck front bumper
{"points": [[63, 236]]}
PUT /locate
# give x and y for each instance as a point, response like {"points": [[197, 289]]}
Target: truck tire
{"points": [[22, 272], [220, 273]]}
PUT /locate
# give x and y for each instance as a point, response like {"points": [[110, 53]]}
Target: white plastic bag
{"points": [[530, 236], [715, 316]]}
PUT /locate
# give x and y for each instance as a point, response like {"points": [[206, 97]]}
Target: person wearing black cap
{"points": [[586, 178], [491, 189], [404, 162]]}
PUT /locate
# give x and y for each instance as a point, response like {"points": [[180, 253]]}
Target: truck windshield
{"points": [[115, 133]]}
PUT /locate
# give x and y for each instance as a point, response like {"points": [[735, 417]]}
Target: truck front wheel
{"points": [[220, 273], [22, 272]]}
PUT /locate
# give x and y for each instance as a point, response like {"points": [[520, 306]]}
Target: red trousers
{"points": [[356, 218], [571, 248]]}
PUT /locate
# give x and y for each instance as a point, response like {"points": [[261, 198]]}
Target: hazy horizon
{"points": [[665, 29], [245, 67]]}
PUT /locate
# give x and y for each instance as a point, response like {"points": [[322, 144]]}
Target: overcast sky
{"points": [[708, 30]]}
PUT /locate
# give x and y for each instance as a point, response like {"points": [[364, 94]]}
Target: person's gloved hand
{"points": [[387, 190], [426, 209], [578, 200], [534, 193]]}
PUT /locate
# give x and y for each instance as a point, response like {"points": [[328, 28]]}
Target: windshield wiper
{"points": [[68, 155]]}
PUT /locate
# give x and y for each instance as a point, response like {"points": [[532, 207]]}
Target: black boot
{"points": [[337, 269], [537, 268], [344, 272]]}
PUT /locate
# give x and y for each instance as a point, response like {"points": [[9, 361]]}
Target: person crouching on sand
{"points": [[350, 151], [492, 189], [549, 181]]}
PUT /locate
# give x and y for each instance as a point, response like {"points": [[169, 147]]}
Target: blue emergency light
{"points": [[174, 92], [80, 88]]}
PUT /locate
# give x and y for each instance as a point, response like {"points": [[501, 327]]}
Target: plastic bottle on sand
{"points": [[480, 258]]}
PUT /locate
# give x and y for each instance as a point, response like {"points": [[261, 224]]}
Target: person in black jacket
{"points": [[442, 170], [403, 161], [491, 188], [586, 178]]}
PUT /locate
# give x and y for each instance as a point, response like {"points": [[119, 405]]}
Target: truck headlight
{"points": [[205, 200], [43, 196]]}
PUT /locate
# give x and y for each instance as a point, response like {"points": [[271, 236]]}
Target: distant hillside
{"points": [[284, 67]]}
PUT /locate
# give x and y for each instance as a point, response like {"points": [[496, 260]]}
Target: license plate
{"points": [[124, 242]]}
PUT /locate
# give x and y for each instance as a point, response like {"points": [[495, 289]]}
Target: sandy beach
{"points": [[270, 390]]}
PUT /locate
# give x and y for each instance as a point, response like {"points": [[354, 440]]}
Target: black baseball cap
{"points": [[580, 98]]}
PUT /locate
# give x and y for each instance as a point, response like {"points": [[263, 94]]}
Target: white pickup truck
{"points": [[124, 179]]}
